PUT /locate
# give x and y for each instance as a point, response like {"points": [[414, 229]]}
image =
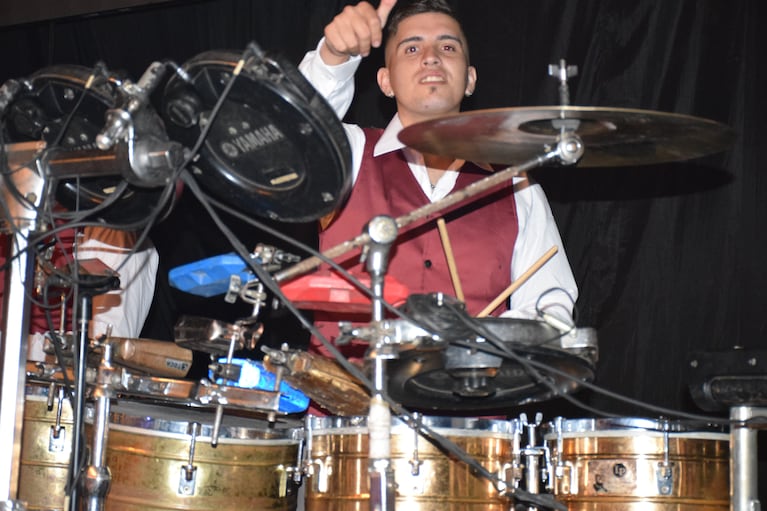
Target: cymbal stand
{"points": [[382, 231], [567, 151], [84, 291]]}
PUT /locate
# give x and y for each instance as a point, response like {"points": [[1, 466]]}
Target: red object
{"points": [[325, 290]]}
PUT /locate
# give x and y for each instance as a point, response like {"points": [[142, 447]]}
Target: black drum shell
{"points": [[76, 98]]}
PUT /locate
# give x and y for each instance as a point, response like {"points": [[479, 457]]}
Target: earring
{"points": [[390, 94], [468, 93]]}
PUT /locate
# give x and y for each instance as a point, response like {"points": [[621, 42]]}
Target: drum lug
{"points": [[414, 462], [299, 469], [188, 476], [57, 439], [187, 480], [507, 477], [517, 467], [323, 471], [283, 473], [664, 474], [566, 477]]}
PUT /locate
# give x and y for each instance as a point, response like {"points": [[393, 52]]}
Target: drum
{"points": [[426, 478], [157, 461], [63, 107], [275, 149], [46, 447], [636, 464]]}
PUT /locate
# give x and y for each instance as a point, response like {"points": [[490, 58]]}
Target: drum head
{"points": [[55, 99], [275, 148]]}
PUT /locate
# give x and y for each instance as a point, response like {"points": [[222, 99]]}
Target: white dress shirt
{"points": [[124, 309]]}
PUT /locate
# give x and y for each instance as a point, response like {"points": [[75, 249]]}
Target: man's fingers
{"points": [[384, 9], [357, 28]]}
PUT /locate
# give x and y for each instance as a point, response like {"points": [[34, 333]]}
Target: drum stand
{"points": [[744, 495], [13, 337], [734, 380]]}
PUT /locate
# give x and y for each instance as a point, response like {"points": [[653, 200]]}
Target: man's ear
{"points": [[383, 82], [471, 80]]}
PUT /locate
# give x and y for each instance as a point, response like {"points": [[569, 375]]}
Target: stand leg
{"points": [[13, 356], [743, 460]]}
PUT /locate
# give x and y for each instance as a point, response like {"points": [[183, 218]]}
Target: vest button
{"points": [[427, 263]]}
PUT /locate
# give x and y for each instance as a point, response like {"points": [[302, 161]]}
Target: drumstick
{"points": [[521, 280], [448, 248]]}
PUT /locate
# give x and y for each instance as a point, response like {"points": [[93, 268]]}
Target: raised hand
{"points": [[354, 31]]}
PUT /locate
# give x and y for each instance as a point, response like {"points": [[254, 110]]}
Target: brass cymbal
{"points": [[612, 137]]}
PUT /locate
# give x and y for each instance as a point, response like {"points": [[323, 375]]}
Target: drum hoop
{"points": [[223, 439], [77, 76], [156, 420], [636, 426], [642, 433], [453, 426]]}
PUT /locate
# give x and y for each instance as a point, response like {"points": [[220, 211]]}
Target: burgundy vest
{"points": [[482, 231]]}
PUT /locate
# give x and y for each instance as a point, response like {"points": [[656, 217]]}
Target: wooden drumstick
{"points": [[521, 280], [448, 248]]}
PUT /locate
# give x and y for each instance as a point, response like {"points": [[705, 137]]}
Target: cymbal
{"points": [[464, 379], [612, 137]]}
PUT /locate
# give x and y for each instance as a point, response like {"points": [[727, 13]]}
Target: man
{"points": [[124, 309], [427, 72]]}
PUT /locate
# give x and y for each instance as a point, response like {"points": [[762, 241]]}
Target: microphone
{"points": [[382, 230], [562, 326], [118, 119]]}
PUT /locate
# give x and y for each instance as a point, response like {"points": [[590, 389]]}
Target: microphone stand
{"points": [[382, 231], [95, 482]]}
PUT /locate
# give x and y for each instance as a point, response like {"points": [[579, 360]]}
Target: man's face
{"points": [[427, 67]]}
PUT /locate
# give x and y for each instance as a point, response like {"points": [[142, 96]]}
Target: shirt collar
{"points": [[389, 141]]}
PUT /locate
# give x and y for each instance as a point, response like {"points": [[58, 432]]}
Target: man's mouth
{"points": [[433, 79]]}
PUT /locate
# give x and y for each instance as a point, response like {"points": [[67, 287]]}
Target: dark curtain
{"points": [[669, 258]]}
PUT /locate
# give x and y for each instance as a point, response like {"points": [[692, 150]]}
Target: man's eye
{"points": [[449, 48], [411, 49]]}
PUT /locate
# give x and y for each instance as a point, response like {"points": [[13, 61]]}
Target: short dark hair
{"points": [[409, 8]]}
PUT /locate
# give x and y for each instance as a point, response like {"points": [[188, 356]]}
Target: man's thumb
{"points": [[384, 9]]}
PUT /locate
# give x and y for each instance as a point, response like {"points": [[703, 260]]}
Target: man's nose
{"points": [[431, 56]]}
